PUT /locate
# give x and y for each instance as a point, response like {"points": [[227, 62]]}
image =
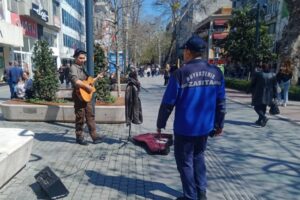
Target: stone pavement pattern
{"points": [[247, 162]]}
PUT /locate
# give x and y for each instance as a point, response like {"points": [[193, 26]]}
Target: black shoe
{"points": [[81, 141], [202, 195], [264, 122], [98, 139], [258, 122]]}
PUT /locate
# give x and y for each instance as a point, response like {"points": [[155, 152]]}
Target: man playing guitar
{"points": [[82, 108]]}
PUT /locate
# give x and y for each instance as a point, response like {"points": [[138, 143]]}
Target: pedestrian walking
{"points": [[167, 74], [14, 75], [263, 88], [6, 72], [197, 92], [61, 72], [284, 77], [66, 74], [83, 110]]}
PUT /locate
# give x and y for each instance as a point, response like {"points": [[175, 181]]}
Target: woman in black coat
{"points": [[263, 87]]}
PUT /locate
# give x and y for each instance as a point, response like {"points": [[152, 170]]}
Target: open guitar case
{"points": [[154, 143]]}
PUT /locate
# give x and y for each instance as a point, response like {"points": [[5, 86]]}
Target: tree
{"points": [[176, 10], [171, 8], [102, 85], [240, 45], [45, 82], [289, 46]]}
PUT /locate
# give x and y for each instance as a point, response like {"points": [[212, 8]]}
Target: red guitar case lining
{"points": [[155, 143]]}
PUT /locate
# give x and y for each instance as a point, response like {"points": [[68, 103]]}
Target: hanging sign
{"points": [[40, 12]]}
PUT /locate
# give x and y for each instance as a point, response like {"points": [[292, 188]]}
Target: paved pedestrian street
{"points": [[246, 163]]}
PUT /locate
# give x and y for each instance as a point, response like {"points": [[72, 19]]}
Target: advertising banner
{"points": [[28, 25]]}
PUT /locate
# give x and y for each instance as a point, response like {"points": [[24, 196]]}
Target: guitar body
{"points": [[85, 96]]}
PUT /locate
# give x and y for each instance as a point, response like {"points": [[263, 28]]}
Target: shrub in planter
{"points": [[45, 80], [294, 93], [244, 85], [238, 84], [102, 85]]}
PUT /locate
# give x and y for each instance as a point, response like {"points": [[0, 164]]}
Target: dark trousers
{"points": [[189, 155], [261, 111], [84, 111], [12, 89], [166, 81]]}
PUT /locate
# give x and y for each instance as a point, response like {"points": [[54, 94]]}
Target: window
{"points": [[76, 5], [72, 22], [72, 42], [55, 7]]}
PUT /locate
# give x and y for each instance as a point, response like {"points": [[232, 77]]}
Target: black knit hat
{"points": [[78, 51]]}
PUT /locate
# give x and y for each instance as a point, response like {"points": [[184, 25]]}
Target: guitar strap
{"points": [[77, 90], [86, 73]]}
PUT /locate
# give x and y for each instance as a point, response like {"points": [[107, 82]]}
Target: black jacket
{"points": [[263, 87], [133, 106]]}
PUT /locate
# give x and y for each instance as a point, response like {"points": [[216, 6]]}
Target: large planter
{"points": [[59, 113], [15, 150]]}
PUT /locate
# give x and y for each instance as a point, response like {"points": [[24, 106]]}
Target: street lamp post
{"points": [[257, 35], [89, 36]]}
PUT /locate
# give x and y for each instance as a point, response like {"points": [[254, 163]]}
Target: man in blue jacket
{"points": [[14, 74], [197, 92]]}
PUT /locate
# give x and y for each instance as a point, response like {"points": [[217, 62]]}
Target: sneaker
{"points": [[81, 141], [284, 105], [98, 139]]}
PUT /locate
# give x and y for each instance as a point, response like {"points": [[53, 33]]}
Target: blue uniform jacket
{"points": [[197, 91], [14, 74]]}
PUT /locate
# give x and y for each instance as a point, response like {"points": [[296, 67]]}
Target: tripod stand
{"points": [[129, 138]]}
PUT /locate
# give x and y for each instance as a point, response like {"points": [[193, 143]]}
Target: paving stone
{"points": [[238, 163]]}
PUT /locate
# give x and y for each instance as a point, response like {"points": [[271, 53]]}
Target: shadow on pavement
{"points": [[99, 179], [54, 137], [240, 123], [34, 158]]}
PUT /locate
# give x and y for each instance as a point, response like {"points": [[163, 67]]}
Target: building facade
{"points": [[72, 34], [213, 29], [104, 25], [193, 13], [40, 20], [11, 36]]}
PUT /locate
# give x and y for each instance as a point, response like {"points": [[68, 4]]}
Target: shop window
{"points": [[26, 44]]}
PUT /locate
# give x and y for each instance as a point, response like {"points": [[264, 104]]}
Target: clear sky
{"points": [[149, 9]]}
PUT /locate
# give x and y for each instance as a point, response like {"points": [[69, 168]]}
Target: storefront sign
{"points": [[40, 12], [10, 34], [28, 25]]}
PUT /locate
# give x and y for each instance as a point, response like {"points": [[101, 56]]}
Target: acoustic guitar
{"points": [[85, 96]]}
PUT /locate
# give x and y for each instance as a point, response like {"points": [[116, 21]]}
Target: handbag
{"points": [[274, 109]]}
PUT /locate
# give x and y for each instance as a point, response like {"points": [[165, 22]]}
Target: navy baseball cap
{"points": [[195, 43], [78, 51]]}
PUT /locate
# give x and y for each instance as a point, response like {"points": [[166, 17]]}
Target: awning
{"points": [[219, 36], [220, 22]]}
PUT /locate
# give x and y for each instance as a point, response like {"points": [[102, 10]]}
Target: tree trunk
{"points": [[171, 47], [290, 42]]}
